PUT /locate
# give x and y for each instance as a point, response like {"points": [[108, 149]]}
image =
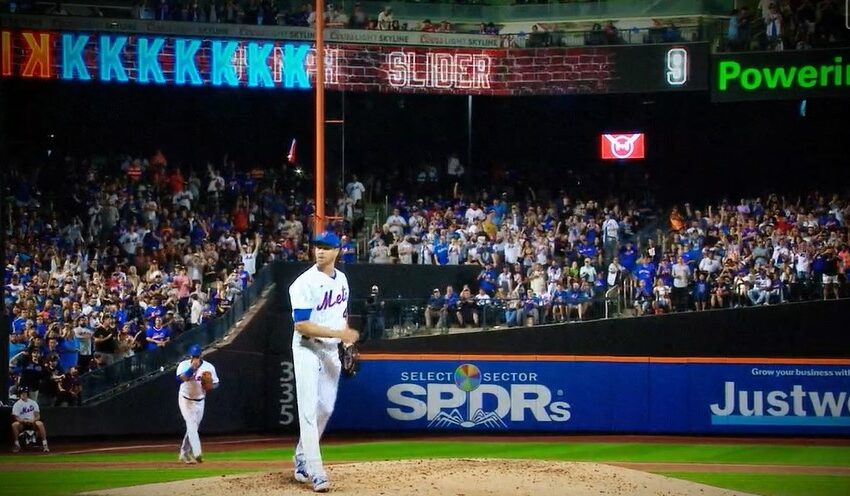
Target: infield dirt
{"points": [[455, 477]]}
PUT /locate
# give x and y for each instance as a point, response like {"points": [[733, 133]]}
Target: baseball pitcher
{"points": [[319, 298]]}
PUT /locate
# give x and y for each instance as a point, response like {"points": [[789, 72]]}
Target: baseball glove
{"points": [[207, 381], [349, 358]]}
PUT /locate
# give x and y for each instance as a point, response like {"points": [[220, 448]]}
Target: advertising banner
{"points": [[780, 75], [275, 64], [618, 395], [622, 146]]}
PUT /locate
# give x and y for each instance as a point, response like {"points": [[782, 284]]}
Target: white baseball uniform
{"points": [[190, 398], [322, 299], [25, 410]]}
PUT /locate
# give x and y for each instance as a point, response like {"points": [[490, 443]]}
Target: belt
{"points": [[305, 339], [193, 399]]}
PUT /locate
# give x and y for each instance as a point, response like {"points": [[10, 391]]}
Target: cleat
{"points": [[45, 448], [16, 448], [321, 484], [301, 474], [199, 459]]}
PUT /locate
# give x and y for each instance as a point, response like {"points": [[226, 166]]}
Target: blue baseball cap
{"points": [[195, 350], [326, 238]]}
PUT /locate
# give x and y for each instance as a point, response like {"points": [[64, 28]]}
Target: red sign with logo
{"points": [[622, 146]]}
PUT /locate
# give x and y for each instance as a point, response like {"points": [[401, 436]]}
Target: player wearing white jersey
{"points": [[319, 298], [190, 398]]}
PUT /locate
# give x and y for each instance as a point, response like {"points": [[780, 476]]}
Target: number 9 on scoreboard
{"points": [[677, 66]]}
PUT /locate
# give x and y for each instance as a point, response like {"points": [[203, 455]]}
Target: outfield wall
{"points": [[571, 394], [813, 330], [640, 375]]}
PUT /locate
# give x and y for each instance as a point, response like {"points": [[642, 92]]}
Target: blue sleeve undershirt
{"points": [[301, 314]]}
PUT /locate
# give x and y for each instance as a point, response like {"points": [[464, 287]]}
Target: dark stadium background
{"points": [[696, 149]]}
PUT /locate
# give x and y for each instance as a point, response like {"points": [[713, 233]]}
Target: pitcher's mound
{"points": [[452, 477]]}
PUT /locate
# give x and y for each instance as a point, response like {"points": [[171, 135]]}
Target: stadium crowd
{"points": [[787, 25], [254, 12], [546, 261], [136, 252], [130, 256]]}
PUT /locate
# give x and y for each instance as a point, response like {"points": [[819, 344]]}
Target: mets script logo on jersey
{"points": [[472, 400], [329, 300]]}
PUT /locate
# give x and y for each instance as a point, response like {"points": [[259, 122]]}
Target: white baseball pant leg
{"points": [[193, 413], [317, 370]]}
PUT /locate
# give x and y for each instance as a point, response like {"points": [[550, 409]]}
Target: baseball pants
{"points": [[193, 413], [317, 371]]}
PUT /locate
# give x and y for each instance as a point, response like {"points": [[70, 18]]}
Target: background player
{"points": [[25, 413], [319, 298], [191, 397]]}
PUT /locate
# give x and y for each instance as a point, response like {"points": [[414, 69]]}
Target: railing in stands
{"points": [[486, 11], [405, 317], [101, 383]]}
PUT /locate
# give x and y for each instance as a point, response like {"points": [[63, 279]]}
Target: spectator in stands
{"points": [[106, 340], [231, 12], [643, 298], [358, 18], [385, 19], [58, 10], [830, 272], [49, 388], [700, 292], [744, 29], [539, 37], [450, 305], [587, 272], [467, 313], [773, 26], [732, 32], [661, 294], [70, 389], [612, 35], [336, 17], [596, 36], [32, 373], [436, 309], [158, 336]]}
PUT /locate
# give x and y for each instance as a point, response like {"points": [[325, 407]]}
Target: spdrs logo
{"points": [[469, 398], [622, 146]]}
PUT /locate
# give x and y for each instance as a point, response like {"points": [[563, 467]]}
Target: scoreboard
{"points": [[162, 58]]}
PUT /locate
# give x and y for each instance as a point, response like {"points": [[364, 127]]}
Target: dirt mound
{"points": [[455, 477]]}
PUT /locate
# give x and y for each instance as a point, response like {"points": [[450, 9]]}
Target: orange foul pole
{"points": [[319, 225]]}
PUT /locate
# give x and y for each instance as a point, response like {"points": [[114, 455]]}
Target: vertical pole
{"points": [[342, 172], [5, 328], [469, 135], [319, 225]]}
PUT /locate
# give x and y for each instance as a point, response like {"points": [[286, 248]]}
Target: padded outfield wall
{"points": [[781, 370]]}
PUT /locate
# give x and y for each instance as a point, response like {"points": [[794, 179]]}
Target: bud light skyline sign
{"points": [[596, 396]]}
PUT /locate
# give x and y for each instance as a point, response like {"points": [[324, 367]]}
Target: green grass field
{"points": [[49, 483]]}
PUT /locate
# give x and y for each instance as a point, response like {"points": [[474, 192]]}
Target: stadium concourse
{"points": [[140, 250]]}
